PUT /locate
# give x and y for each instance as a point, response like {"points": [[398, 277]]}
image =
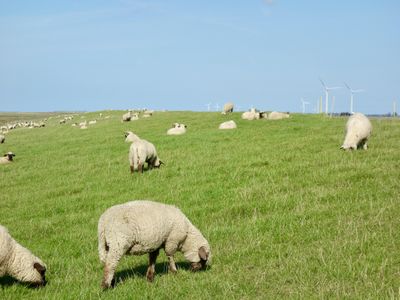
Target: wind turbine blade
{"points": [[347, 85], [358, 91], [333, 88], [323, 84]]}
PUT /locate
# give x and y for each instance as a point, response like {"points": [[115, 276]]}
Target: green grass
{"points": [[287, 213]]}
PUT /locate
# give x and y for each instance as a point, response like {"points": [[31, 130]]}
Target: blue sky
{"points": [[181, 55]]}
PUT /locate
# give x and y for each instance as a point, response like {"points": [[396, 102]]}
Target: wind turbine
{"points": [[208, 106], [304, 103], [217, 107], [327, 89], [352, 92]]}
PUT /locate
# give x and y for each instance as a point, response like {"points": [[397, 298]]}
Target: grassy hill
{"points": [[287, 213]]}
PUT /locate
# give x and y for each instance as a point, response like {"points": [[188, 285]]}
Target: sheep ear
{"points": [[161, 163], [41, 269], [202, 253]]}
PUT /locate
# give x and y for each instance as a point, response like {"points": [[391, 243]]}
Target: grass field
{"points": [[287, 213]]}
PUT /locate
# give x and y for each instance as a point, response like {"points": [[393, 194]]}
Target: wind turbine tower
{"points": [[327, 89], [304, 103], [352, 92], [208, 106]]}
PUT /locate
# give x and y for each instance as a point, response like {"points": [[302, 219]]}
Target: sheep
{"points": [[177, 129], [19, 262], [2, 139], [7, 158], [84, 123], [358, 130], [130, 137], [140, 152], [127, 117], [228, 125], [92, 122], [277, 115], [142, 226], [253, 114], [228, 108]]}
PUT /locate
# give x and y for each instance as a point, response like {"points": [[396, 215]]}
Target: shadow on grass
{"points": [[8, 281]]}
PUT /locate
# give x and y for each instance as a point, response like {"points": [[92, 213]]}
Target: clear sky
{"points": [[181, 55]]}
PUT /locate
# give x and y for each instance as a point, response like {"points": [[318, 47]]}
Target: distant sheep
{"points": [[2, 139], [277, 115], [358, 130], [253, 114], [177, 129], [228, 108], [141, 152], [19, 262], [228, 125], [7, 158], [140, 227], [127, 117], [92, 122]]}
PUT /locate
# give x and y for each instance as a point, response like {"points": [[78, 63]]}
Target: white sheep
{"points": [[358, 130], [277, 115], [253, 114], [7, 158], [2, 139], [140, 227], [177, 129], [127, 117], [19, 262], [92, 122], [228, 125], [228, 108], [130, 137], [141, 152]]}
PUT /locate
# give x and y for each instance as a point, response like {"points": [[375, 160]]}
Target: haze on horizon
{"points": [[182, 55]]}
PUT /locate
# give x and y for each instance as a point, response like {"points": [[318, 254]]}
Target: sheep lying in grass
{"points": [[141, 152], [2, 139], [275, 115], [19, 262], [177, 129], [358, 130], [253, 114], [140, 227], [7, 158], [127, 117], [228, 125], [228, 108]]}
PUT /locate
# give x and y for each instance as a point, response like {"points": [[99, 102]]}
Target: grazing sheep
{"points": [[7, 158], [141, 152], [92, 122], [177, 129], [2, 139], [277, 115], [358, 130], [140, 227], [253, 114], [127, 117], [228, 108], [228, 125], [84, 123], [19, 262], [130, 137]]}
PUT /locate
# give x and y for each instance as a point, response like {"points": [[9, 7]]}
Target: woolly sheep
{"points": [[253, 114], [228, 125], [92, 122], [228, 108], [140, 227], [140, 152], [2, 139], [127, 117], [7, 158], [177, 129], [19, 262], [277, 115], [130, 137], [358, 130]]}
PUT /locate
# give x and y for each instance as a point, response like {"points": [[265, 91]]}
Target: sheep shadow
{"points": [[8, 281], [161, 270]]}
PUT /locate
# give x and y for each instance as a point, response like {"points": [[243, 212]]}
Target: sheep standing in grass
{"points": [[228, 108], [141, 152], [130, 137], [19, 262], [140, 227], [358, 130], [228, 125], [7, 158], [177, 129], [2, 139]]}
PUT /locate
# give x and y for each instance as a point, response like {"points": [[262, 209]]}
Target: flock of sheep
{"points": [[141, 227]]}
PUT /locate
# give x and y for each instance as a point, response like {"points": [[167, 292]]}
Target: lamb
{"points": [[142, 226], [177, 129], [7, 158], [228, 108], [358, 130], [130, 137], [140, 152], [277, 115], [2, 139], [19, 262], [228, 125], [127, 117], [253, 114]]}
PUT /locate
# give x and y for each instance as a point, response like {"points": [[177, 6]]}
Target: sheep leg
{"points": [[172, 266], [112, 260], [152, 265], [170, 249], [140, 168], [132, 169]]}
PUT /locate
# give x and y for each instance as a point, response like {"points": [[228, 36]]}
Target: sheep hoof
{"points": [[150, 276]]}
